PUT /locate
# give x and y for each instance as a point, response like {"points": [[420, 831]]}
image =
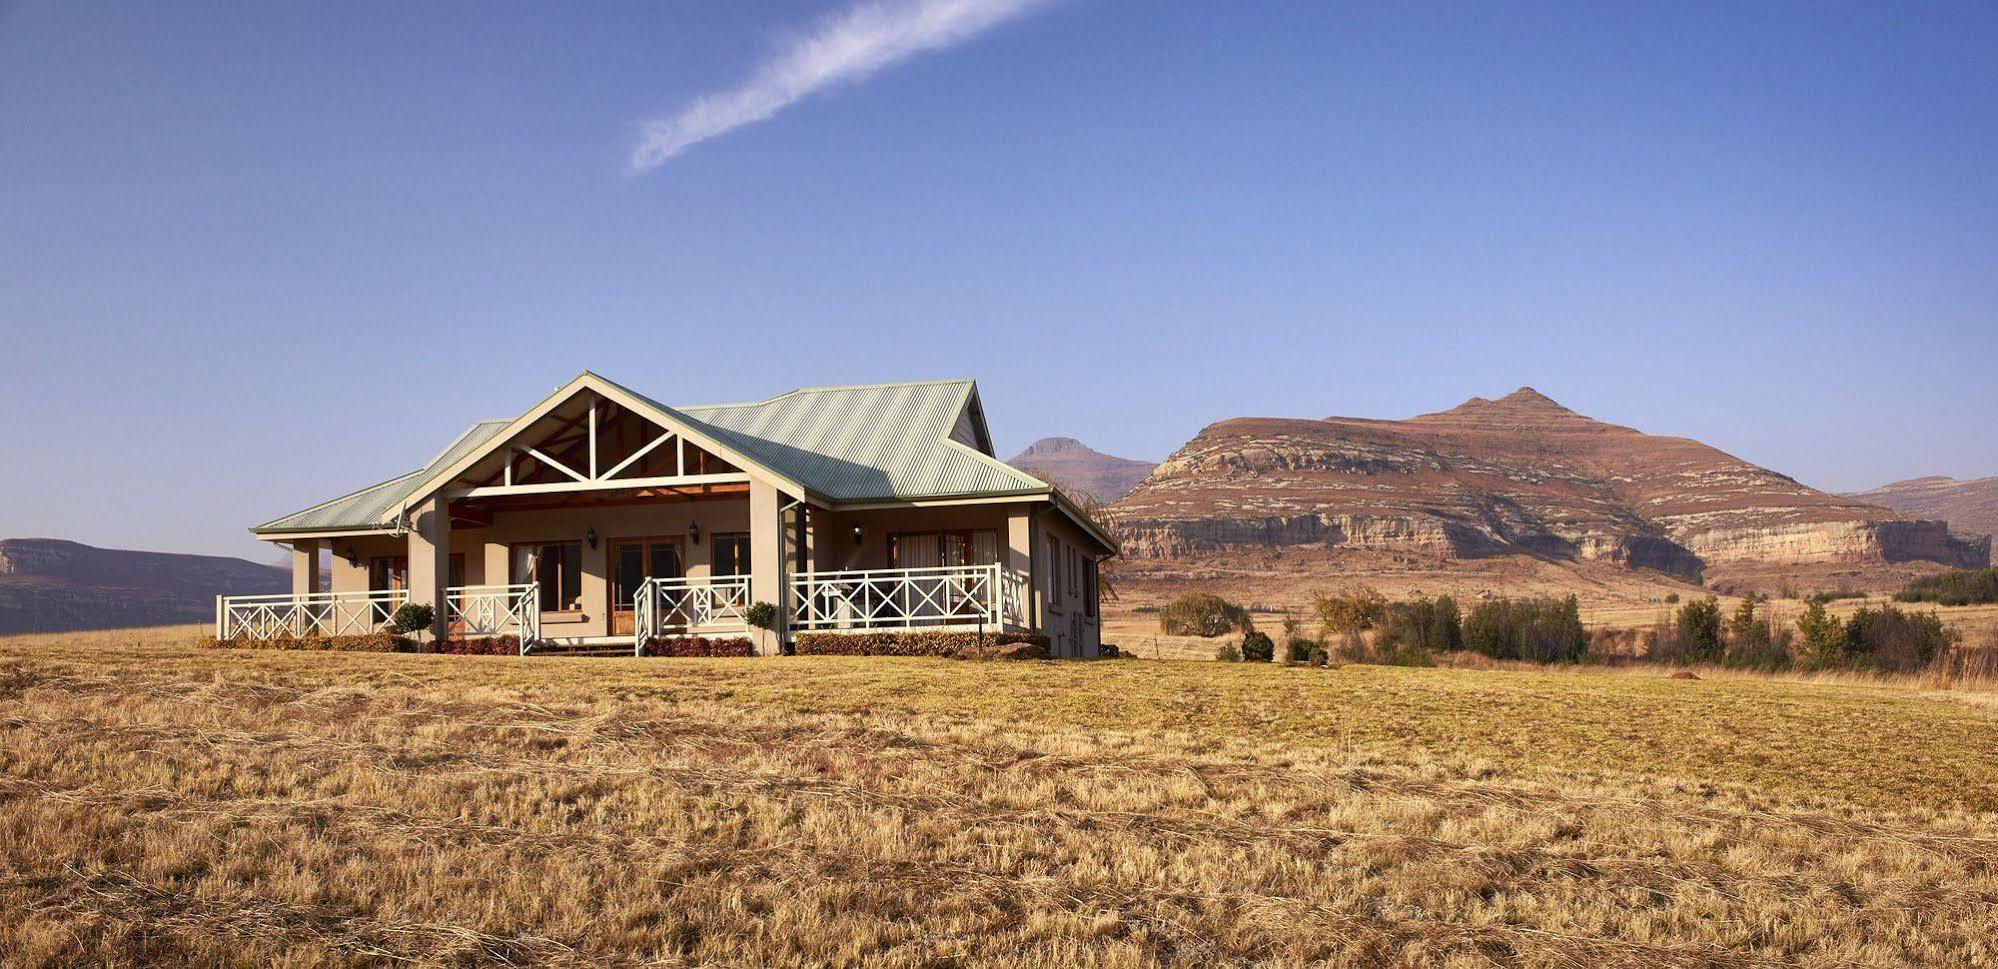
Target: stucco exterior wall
{"points": [[1073, 627]]}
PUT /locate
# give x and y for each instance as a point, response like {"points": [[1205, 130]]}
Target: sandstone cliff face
{"points": [[1519, 474], [47, 585], [1970, 507], [1075, 466]]}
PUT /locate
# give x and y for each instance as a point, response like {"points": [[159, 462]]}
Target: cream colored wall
{"points": [[1066, 620]]}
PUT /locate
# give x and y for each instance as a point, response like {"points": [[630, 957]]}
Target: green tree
{"points": [[1821, 639], [1699, 628], [1350, 612], [1203, 614]]}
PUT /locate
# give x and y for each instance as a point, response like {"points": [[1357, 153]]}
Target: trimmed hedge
{"points": [[370, 643], [478, 646], [920, 642], [699, 646]]}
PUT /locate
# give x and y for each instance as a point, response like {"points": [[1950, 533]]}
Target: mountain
{"points": [[1490, 477], [49, 585], [1970, 507], [1072, 464]]}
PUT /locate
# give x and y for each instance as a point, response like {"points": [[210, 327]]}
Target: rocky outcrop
{"points": [[1521, 474], [1072, 465], [1970, 507], [48, 585]]}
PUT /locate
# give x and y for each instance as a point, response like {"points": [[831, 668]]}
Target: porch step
{"points": [[580, 649]]}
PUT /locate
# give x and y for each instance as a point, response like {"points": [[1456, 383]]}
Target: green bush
{"points": [[760, 615], [1699, 627], [917, 642], [1821, 642], [477, 646], [1432, 625], [699, 646], [1257, 647], [1953, 588], [1536, 630], [1895, 641], [413, 617], [1203, 614], [1228, 653], [1756, 641]]}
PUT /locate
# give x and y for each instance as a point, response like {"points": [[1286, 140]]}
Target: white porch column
{"points": [[766, 560], [430, 557], [305, 566]]}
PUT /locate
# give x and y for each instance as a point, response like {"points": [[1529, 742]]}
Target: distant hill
{"points": [[50, 585], [1970, 507], [1521, 474], [1074, 464]]}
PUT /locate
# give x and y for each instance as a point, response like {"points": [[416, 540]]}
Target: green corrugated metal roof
{"points": [[874, 442], [878, 442]]}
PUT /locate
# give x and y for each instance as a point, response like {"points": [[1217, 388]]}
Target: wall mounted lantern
{"points": [[856, 534], [694, 532], [591, 537]]}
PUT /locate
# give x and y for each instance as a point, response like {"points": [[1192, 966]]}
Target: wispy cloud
{"points": [[846, 46]]}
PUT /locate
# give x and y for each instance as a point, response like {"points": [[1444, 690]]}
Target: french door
{"points": [[632, 561]]}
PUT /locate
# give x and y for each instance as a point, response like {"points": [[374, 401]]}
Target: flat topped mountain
{"points": [[1073, 464], [1970, 507], [51, 585], [1518, 474]]}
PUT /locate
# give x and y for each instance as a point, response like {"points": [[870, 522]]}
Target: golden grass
{"points": [[164, 804]]}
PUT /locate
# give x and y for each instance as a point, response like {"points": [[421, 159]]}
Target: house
{"points": [[603, 517]]}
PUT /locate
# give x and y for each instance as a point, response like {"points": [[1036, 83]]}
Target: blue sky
{"points": [[255, 255]]}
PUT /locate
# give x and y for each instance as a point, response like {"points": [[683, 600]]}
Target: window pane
{"points": [[572, 575], [984, 547], [665, 560], [918, 551], [628, 567], [953, 549]]}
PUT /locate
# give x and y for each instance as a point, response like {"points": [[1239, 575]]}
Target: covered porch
{"points": [[602, 518]]}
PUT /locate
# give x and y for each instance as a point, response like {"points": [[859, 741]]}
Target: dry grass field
{"points": [[166, 804]]}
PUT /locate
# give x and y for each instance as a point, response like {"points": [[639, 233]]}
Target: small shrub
{"points": [[1110, 651], [1672, 598], [478, 646], [940, 643], [1257, 647], [1228, 653], [1203, 614], [760, 615], [699, 646], [413, 617], [1895, 641]]}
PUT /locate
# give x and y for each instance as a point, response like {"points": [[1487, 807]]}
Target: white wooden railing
{"points": [[309, 614], [495, 610], [713, 605], [963, 595]]}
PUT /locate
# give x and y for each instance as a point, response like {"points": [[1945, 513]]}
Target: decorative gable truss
{"points": [[584, 441]]}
